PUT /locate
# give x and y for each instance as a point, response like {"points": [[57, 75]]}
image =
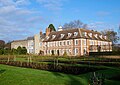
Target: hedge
{"points": [[55, 68], [104, 53]]}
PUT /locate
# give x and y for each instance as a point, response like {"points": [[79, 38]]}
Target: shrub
{"points": [[65, 54]]}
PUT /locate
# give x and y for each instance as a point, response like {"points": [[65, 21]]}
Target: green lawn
{"points": [[10, 75]]}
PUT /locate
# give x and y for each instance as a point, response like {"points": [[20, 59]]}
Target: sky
{"points": [[20, 19]]}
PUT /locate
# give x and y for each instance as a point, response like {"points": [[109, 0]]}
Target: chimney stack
{"points": [[48, 31], [40, 33]]}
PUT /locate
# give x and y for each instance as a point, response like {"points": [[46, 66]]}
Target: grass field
{"points": [[10, 75]]}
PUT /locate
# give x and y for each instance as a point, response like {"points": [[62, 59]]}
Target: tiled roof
{"points": [[43, 36], [56, 36], [30, 38]]}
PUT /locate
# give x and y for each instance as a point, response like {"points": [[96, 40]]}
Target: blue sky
{"points": [[22, 18]]}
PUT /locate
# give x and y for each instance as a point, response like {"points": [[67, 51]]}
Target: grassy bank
{"points": [[10, 75]]}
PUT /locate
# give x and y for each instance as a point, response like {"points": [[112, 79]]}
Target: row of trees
{"points": [[110, 33], [18, 51]]}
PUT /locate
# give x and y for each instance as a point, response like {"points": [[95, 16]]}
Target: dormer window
{"points": [[62, 35], [75, 33], [96, 35], [105, 37], [53, 36], [47, 37], [84, 33], [69, 34], [101, 36], [90, 34]]}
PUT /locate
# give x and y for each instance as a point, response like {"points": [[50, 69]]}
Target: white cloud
{"points": [[14, 2], [16, 21], [54, 5], [7, 9], [7, 2], [23, 2], [99, 26]]}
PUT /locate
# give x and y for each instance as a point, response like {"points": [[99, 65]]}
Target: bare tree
{"points": [[74, 24], [111, 34]]}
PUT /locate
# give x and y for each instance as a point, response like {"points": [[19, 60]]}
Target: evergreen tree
{"points": [[14, 51], [24, 50], [51, 26], [19, 50]]}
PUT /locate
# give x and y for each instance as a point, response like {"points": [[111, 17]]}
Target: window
{"points": [[99, 43], [76, 42], [101, 36], [60, 43], [68, 42], [63, 51], [47, 37], [96, 35], [105, 37], [62, 35], [84, 33], [53, 36], [48, 44], [84, 51], [75, 33], [90, 34], [67, 50], [64, 43], [60, 51], [56, 43], [91, 42], [69, 34], [76, 51], [84, 41]]}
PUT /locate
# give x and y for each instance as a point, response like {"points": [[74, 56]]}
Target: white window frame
{"points": [[96, 35], [47, 37], [68, 42], [84, 41], [90, 34], [53, 36], [101, 36], [105, 37], [69, 34], [62, 35], [76, 42], [76, 51], [75, 33]]}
